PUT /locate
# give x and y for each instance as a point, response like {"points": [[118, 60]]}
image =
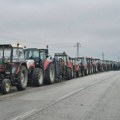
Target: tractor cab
{"points": [[35, 57], [12, 67], [40, 67], [76, 67], [64, 66]]}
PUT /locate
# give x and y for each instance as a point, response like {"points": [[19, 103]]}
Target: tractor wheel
{"points": [[74, 74], [23, 79], [37, 77], [78, 73], [86, 71], [69, 74], [50, 74], [92, 70], [6, 86], [82, 72]]}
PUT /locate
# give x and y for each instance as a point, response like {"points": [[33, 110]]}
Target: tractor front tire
{"points": [[37, 77], [5, 86], [50, 74], [78, 73], [22, 79], [69, 73]]}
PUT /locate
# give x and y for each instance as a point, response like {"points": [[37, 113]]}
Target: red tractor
{"points": [[76, 67], [90, 65], [84, 66], [13, 68], [95, 65], [40, 66], [64, 66]]}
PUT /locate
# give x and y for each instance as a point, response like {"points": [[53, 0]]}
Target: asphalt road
{"points": [[94, 97]]}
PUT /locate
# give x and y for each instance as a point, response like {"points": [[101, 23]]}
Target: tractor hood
{"points": [[30, 63]]}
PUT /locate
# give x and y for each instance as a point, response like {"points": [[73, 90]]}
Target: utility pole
{"points": [[103, 55], [78, 45], [118, 59]]}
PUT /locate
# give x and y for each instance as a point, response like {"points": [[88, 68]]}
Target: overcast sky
{"points": [[62, 23]]}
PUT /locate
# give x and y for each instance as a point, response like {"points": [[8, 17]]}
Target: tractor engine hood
{"points": [[30, 63]]}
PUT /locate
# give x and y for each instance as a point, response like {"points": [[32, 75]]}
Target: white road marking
{"points": [[29, 113], [69, 94], [93, 83], [25, 115]]}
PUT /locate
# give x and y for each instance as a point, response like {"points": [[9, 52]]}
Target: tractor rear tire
{"points": [[23, 79], [37, 77], [86, 72], [69, 73], [50, 74], [5, 86], [78, 73], [74, 74]]}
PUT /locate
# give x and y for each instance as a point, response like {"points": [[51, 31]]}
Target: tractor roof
{"points": [[36, 49], [11, 45], [81, 57], [61, 54], [76, 58]]}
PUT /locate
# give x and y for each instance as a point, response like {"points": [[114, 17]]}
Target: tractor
{"points": [[86, 65], [63, 66], [83, 64], [13, 68], [101, 65], [76, 67], [40, 66], [95, 65], [90, 65]]}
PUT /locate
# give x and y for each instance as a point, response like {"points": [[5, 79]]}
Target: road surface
{"points": [[94, 97]]}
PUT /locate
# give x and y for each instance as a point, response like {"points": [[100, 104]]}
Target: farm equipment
{"points": [[40, 66], [95, 65], [100, 66], [90, 65], [13, 68], [76, 67], [84, 67], [64, 67]]}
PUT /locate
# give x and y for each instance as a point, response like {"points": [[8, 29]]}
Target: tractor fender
{"points": [[77, 67], [30, 63], [69, 65], [19, 66], [46, 63]]}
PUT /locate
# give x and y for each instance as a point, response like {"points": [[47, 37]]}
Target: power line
{"points": [[40, 41], [103, 55]]}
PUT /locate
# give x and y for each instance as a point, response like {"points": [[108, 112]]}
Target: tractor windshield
{"points": [[62, 59], [31, 54], [7, 53], [18, 54]]}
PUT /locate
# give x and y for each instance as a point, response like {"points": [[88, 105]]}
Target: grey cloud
{"points": [[93, 23]]}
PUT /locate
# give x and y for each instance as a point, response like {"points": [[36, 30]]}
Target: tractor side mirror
{"points": [[47, 56]]}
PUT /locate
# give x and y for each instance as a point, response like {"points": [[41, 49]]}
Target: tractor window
{"points": [[28, 54], [21, 53], [36, 54], [18, 54], [84, 62], [31, 54], [1, 53], [42, 56], [7, 52]]}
